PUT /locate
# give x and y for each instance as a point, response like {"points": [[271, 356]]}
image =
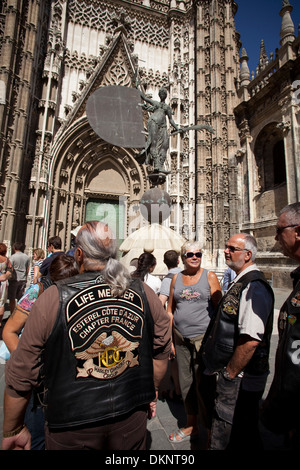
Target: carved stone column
{"points": [[290, 128], [216, 70]]}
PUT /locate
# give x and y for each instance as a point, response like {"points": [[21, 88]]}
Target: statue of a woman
{"points": [[157, 143]]}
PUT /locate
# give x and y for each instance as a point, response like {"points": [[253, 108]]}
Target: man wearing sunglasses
{"points": [[236, 350], [281, 410]]}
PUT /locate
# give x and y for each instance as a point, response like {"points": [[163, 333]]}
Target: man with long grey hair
{"points": [[104, 340], [96, 250]]}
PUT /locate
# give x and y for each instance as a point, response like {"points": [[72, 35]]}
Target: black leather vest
{"points": [[221, 337], [98, 357], [44, 283], [288, 352]]}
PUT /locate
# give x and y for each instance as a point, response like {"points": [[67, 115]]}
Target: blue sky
{"points": [[260, 19]]}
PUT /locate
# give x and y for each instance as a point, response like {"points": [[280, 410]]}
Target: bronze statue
{"points": [[157, 144]]}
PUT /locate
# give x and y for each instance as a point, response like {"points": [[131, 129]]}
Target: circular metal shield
{"points": [[115, 114]]}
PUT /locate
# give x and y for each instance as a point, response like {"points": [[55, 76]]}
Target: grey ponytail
{"points": [[98, 244]]}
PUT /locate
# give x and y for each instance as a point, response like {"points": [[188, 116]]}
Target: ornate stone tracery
{"points": [[97, 15], [51, 162]]}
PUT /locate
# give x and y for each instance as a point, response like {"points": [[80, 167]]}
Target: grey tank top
{"points": [[192, 306]]}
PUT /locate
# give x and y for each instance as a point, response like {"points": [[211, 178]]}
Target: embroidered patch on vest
{"points": [[113, 356], [282, 319], [104, 331], [231, 302], [295, 301], [292, 319]]}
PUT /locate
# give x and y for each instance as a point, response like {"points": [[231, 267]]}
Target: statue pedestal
{"points": [[158, 178]]}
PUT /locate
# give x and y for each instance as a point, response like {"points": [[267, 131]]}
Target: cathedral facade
{"points": [[56, 172]]}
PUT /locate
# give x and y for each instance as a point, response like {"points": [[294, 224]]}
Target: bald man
{"points": [[104, 341]]}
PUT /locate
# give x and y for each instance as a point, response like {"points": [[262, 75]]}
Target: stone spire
{"points": [[287, 32], [244, 72], [263, 58]]}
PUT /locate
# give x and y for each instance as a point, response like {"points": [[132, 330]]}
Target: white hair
{"points": [[189, 245], [250, 244]]}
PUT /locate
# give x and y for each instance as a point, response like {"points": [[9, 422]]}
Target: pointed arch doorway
{"points": [[91, 179]]}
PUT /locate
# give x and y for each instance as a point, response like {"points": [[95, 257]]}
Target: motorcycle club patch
{"points": [[104, 331], [295, 301], [292, 319], [231, 302]]}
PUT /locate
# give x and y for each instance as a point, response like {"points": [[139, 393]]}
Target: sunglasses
{"points": [[281, 229], [190, 254], [233, 249]]}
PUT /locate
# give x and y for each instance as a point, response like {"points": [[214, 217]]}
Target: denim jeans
{"points": [[227, 391]]}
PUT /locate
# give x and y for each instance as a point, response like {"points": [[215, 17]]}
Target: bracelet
{"points": [[226, 374], [15, 432]]}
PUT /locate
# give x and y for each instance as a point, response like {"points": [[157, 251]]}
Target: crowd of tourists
{"points": [[89, 344]]}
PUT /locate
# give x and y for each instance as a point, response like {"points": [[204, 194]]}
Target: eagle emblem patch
{"points": [[107, 357]]}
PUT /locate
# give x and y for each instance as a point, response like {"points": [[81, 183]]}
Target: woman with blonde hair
{"points": [[194, 294]]}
